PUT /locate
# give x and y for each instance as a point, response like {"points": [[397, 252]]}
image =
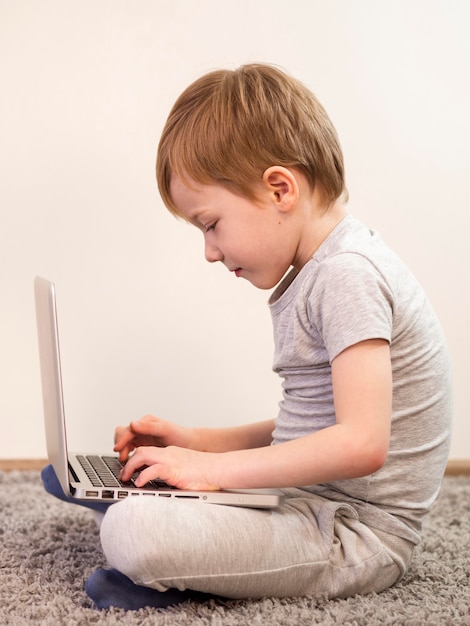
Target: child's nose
{"points": [[212, 252]]}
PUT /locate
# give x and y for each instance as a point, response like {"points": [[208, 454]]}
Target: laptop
{"points": [[95, 477]]}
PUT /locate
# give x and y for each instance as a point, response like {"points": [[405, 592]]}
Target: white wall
{"points": [[146, 324]]}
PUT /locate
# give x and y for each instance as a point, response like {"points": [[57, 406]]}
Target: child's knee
{"points": [[135, 537], [118, 538]]}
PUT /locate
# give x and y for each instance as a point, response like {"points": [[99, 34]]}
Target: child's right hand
{"points": [[149, 431]]}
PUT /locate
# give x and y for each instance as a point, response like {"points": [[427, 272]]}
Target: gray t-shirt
{"points": [[355, 288]]}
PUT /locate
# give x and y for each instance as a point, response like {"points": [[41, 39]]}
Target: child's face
{"points": [[253, 240]]}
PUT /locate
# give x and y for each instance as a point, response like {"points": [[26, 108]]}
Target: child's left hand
{"points": [[179, 467]]}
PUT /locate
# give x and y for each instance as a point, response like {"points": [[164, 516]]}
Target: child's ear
{"points": [[282, 186]]}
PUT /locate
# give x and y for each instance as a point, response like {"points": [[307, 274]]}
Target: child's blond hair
{"points": [[228, 127]]}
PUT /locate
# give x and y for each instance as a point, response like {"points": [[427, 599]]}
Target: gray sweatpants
{"points": [[309, 546]]}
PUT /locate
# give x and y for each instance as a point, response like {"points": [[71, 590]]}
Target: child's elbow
{"points": [[375, 457]]}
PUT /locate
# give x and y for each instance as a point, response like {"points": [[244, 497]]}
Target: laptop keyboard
{"points": [[103, 471]]}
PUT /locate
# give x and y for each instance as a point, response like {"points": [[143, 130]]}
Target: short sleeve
{"points": [[349, 301]]}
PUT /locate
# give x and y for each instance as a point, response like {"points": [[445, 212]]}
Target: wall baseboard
{"points": [[24, 465], [455, 467], [458, 467]]}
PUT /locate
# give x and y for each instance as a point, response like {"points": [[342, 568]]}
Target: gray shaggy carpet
{"points": [[48, 549]]}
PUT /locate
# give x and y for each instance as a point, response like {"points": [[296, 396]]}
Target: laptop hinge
{"points": [[72, 471]]}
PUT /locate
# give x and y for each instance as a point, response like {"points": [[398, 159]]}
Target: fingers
{"points": [[123, 438], [145, 431], [147, 458], [149, 431]]}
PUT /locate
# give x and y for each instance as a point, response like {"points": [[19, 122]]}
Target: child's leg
{"points": [[52, 486], [310, 546]]}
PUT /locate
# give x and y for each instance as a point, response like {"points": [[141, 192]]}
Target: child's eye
{"points": [[211, 227]]}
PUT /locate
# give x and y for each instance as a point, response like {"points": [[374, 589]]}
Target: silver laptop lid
{"points": [[51, 379]]}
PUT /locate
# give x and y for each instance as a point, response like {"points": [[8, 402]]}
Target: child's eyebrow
{"points": [[195, 222], [199, 218]]}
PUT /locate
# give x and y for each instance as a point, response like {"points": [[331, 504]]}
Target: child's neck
{"points": [[319, 223]]}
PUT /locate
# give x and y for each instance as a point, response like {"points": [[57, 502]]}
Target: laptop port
{"points": [[122, 494], [107, 493], [91, 494]]}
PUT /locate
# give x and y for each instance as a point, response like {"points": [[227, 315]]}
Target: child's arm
{"points": [[242, 437], [153, 431], [356, 445]]}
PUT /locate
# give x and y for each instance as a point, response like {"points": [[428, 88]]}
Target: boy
{"points": [[361, 440]]}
